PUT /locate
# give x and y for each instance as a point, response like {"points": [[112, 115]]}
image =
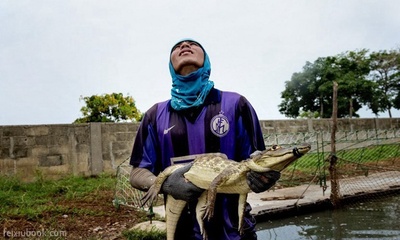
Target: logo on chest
{"points": [[219, 125]]}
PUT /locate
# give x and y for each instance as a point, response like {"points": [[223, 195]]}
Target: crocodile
{"points": [[215, 173]]}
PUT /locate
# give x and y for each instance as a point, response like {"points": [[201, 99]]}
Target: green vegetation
{"points": [[112, 107], [77, 207], [364, 80], [366, 155], [351, 162], [371, 154], [31, 200], [145, 235]]}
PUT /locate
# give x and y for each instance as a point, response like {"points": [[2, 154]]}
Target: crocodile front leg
{"points": [[154, 190], [219, 180], [211, 196]]}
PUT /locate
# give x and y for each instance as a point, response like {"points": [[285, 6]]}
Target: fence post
{"points": [[334, 197], [96, 154]]}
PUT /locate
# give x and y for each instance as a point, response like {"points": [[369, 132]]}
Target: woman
{"points": [[198, 119]]}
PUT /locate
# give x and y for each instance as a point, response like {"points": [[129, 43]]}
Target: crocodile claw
{"points": [[209, 213], [150, 196]]}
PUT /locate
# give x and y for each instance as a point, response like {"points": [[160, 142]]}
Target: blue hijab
{"points": [[190, 90]]}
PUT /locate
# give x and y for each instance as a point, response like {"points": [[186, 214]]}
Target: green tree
{"points": [[300, 94], [385, 72], [112, 107], [355, 90], [310, 91]]}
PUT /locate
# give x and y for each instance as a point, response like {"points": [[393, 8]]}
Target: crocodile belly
{"points": [[201, 177], [239, 187], [231, 184]]}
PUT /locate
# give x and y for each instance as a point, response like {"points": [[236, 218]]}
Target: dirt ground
{"points": [[88, 218]]}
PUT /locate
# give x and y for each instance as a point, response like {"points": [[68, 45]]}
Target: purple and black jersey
{"points": [[226, 123]]}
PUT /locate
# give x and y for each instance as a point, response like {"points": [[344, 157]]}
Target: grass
{"points": [[366, 155], [145, 235], [316, 163], [372, 153], [84, 201], [30, 200]]}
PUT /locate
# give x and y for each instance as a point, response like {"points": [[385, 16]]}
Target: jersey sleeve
{"points": [[249, 134], [146, 147]]}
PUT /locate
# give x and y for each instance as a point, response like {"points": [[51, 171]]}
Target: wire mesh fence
{"points": [[368, 162], [125, 194]]}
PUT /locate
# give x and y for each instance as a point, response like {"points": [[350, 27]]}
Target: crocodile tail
{"points": [[173, 211]]}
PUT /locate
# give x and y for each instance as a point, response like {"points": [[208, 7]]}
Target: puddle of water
{"points": [[377, 219]]}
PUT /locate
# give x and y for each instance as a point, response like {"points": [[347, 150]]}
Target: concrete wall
{"points": [[54, 151], [345, 125]]}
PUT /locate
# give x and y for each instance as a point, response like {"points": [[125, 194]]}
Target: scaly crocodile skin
{"points": [[215, 173]]}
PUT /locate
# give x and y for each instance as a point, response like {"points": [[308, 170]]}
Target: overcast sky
{"points": [[53, 52]]}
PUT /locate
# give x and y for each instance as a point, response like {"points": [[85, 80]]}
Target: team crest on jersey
{"points": [[219, 125]]}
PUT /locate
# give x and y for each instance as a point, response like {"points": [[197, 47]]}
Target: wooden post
{"points": [[332, 158]]}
